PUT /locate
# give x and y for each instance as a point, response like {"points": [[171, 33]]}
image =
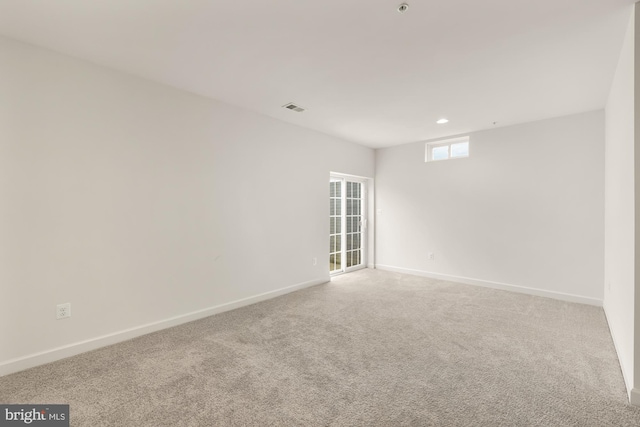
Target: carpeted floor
{"points": [[371, 348]]}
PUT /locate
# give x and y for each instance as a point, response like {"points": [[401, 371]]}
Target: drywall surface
{"points": [[137, 202], [619, 266], [634, 395], [524, 211]]}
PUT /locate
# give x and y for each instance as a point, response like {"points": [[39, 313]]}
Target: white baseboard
{"points": [[32, 360], [634, 397], [495, 285]]}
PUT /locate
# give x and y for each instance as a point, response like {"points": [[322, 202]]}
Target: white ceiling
{"points": [[365, 72]]}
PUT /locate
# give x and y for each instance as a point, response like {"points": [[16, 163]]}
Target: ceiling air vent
{"points": [[293, 107]]}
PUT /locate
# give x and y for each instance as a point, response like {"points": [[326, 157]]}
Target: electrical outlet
{"points": [[432, 256], [315, 261], [63, 310]]}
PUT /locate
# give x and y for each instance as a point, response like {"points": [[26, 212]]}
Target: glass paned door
{"points": [[335, 232], [354, 224], [347, 224]]}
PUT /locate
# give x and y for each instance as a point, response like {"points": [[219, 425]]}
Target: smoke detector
{"points": [[403, 8], [293, 107]]}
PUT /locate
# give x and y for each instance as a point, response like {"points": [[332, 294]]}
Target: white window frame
{"points": [[429, 146]]}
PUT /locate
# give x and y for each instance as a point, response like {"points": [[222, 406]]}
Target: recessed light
{"points": [[403, 8], [442, 121]]}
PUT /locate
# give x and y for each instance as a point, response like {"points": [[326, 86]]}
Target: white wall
{"points": [[634, 395], [620, 199], [525, 210], [138, 203]]}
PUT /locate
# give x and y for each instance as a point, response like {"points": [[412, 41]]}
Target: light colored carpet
{"points": [[371, 348]]}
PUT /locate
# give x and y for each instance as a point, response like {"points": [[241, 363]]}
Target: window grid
{"points": [[354, 224], [335, 233]]}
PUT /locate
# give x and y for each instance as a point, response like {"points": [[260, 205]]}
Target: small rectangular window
{"points": [[447, 149], [440, 152], [460, 149]]}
